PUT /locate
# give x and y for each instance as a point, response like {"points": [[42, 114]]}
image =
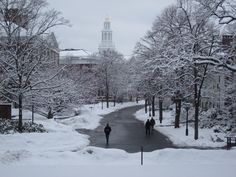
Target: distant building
{"points": [[49, 47], [80, 59], [53, 51], [77, 58], [227, 39], [228, 36], [213, 92], [106, 42], [214, 88], [49, 50], [21, 22]]}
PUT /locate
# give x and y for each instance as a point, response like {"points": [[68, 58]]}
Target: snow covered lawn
{"points": [[61, 142], [63, 152]]}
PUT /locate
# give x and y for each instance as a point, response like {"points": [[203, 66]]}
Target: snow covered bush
{"points": [[215, 119], [11, 126]]}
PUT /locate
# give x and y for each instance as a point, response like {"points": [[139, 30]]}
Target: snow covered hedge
{"points": [[11, 126], [217, 120]]}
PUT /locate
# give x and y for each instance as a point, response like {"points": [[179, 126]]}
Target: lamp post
{"points": [[160, 109], [32, 112], [102, 102], [32, 105], [187, 107], [150, 109]]}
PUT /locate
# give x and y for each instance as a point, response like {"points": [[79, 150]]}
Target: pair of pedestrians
{"points": [[149, 126]]}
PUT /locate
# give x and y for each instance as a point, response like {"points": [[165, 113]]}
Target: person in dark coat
{"points": [[147, 127], [107, 131], [152, 123]]}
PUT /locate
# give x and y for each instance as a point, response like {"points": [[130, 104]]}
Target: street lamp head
{"points": [[187, 106]]}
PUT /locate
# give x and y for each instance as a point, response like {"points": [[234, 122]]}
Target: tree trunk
{"points": [[196, 112], [196, 121], [153, 106], [196, 104], [130, 98], [160, 110], [177, 112], [107, 99], [145, 105], [20, 113]]}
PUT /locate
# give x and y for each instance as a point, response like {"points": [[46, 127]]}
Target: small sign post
{"points": [[141, 155]]}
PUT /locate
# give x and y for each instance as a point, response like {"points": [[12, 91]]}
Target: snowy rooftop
{"points": [[77, 60], [228, 29], [77, 56], [74, 52]]}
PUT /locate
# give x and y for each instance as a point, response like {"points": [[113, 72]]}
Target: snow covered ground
{"points": [[63, 152], [207, 137]]}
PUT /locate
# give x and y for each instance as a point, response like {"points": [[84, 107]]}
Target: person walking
{"points": [[147, 127], [152, 123], [107, 131]]}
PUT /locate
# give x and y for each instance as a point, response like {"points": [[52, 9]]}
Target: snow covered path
{"points": [[127, 133]]}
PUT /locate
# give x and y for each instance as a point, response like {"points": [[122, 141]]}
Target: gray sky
{"points": [[130, 19]]}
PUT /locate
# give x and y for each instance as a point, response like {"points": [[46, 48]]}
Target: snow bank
{"points": [[171, 170], [91, 162]]}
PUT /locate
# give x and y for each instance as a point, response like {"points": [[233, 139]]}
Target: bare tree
{"points": [[225, 12], [24, 48], [183, 32], [108, 73]]}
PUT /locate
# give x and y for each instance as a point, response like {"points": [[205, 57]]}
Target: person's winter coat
{"points": [[152, 122], [148, 124], [107, 129]]}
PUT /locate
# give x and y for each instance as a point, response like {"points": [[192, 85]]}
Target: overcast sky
{"points": [[130, 19]]}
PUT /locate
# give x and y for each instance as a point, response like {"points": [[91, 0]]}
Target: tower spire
{"points": [[106, 42]]}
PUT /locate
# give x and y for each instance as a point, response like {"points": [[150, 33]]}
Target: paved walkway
{"points": [[127, 133]]}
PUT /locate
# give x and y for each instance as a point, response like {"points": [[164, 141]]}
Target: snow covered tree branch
{"points": [[26, 48]]}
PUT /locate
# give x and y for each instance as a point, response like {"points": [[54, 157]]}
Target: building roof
{"points": [[74, 52], [73, 57], [228, 29], [77, 61]]}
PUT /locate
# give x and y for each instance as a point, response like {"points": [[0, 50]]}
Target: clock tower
{"points": [[106, 42]]}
